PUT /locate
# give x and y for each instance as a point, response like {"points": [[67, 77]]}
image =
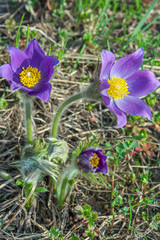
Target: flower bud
{"points": [[58, 149]]}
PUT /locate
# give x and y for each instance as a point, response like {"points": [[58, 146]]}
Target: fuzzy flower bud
{"points": [[42, 159]]}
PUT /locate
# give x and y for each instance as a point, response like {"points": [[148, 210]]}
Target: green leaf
{"points": [[19, 182], [75, 238], [91, 234], [18, 32], [87, 231], [91, 222], [158, 161], [87, 214], [107, 144], [87, 37], [1, 223], [118, 149], [49, 50], [27, 35], [102, 179], [94, 216], [10, 228], [126, 145], [41, 189], [120, 200], [142, 133], [122, 155], [108, 153], [134, 144], [86, 207], [154, 225]]}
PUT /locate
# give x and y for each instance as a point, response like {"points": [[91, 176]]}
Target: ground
{"points": [[127, 200]]}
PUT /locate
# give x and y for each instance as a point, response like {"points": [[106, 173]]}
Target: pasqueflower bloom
{"points": [[93, 160], [30, 70], [122, 84]]}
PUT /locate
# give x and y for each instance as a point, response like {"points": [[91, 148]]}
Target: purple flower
{"points": [[92, 160], [30, 70], [122, 84]]}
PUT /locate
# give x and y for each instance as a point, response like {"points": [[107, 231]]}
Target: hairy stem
{"points": [[60, 110], [66, 184], [27, 101]]}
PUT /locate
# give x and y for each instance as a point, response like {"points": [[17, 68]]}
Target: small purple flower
{"points": [[30, 70], [122, 84], [92, 160]]}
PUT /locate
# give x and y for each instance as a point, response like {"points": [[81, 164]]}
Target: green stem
{"points": [[60, 110], [66, 186], [62, 192], [27, 101]]}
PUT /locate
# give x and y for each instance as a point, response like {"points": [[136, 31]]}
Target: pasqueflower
{"points": [[122, 84], [93, 160], [30, 70]]}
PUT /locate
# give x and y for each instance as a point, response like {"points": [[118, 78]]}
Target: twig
{"points": [[27, 199]]}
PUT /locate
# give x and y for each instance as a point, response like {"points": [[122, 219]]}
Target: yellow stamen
{"points": [[118, 88], [30, 76], [94, 160]]}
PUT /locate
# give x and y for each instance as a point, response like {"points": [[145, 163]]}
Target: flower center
{"points": [[94, 161], [118, 88], [30, 76]]}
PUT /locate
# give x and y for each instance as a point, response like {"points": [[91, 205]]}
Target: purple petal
{"points": [[18, 57], [106, 100], [34, 52], [87, 154], [47, 68], [85, 165], [108, 59], [134, 106], [104, 86], [6, 72], [43, 92], [101, 155], [103, 168], [104, 93], [127, 65], [142, 83], [120, 114], [16, 85]]}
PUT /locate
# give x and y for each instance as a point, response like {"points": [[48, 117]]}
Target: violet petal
{"points": [[102, 166], [47, 68], [43, 93], [18, 57], [16, 85], [101, 155], [104, 85], [134, 106], [34, 52], [106, 100], [142, 83], [108, 59], [6, 72], [85, 165], [103, 169], [120, 114], [127, 65]]}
